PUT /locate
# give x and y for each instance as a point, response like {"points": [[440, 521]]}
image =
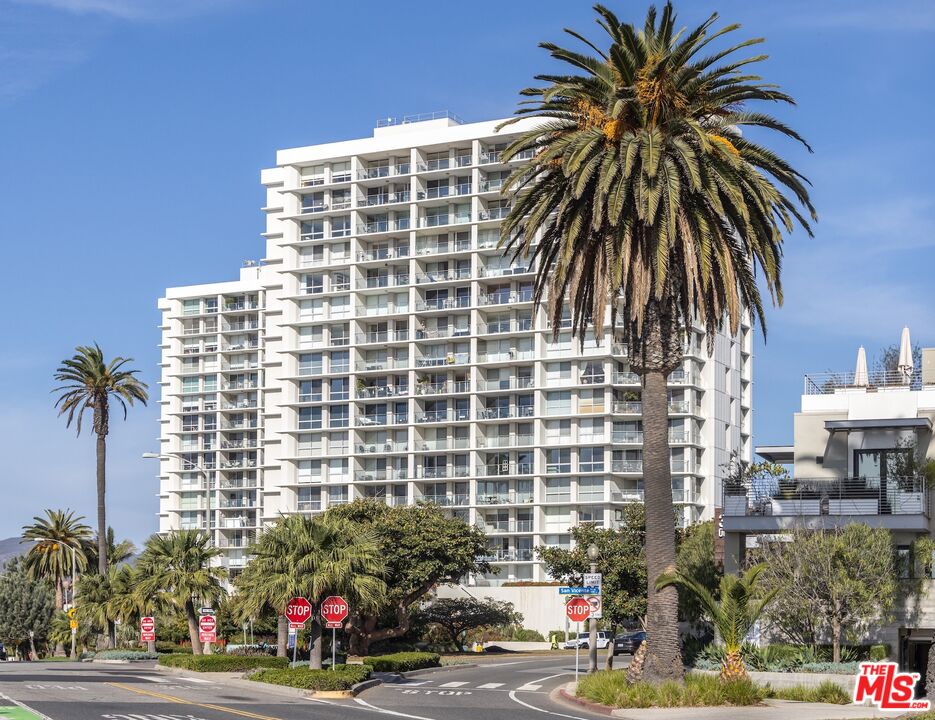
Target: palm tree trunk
{"points": [[192, 626], [314, 652], [101, 505], [282, 636], [663, 656]]}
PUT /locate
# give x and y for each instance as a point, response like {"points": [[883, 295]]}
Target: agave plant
{"points": [[733, 614]]}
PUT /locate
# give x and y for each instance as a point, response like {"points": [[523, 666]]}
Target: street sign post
{"points": [[334, 610], [578, 610], [207, 629], [298, 612], [206, 611], [147, 629]]}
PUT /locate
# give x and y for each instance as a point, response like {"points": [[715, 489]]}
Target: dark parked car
{"points": [[3, 655], [629, 643]]}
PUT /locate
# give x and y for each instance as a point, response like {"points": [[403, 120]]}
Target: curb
{"points": [[570, 697]]}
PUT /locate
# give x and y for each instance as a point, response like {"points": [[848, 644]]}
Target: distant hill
{"points": [[10, 548]]}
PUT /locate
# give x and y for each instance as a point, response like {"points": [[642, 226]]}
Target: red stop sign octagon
{"points": [[298, 610], [334, 609], [578, 609]]}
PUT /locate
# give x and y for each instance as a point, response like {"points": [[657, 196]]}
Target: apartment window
{"points": [[312, 230], [591, 515], [313, 284], [310, 363], [558, 403], [591, 430], [337, 495], [190, 385], [591, 401], [340, 361], [590, 489], [557, 519], [309, 444], [338, 416], [314, 175], [310, 391], [310, 336], [340, 306], [338, 470], [339, 389], [557, 371], [189, 423], [309, 499], [558, 460], [191, 307], [341, 172], [211, 383], [312, 309], [591, 459], [308, 471], [309, 418], [341, 226], [557, 432]]}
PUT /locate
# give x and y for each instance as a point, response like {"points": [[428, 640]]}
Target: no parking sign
{"points": [[596, 607]]}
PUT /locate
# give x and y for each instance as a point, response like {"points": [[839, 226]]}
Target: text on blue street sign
{"points": [[585, 590]]}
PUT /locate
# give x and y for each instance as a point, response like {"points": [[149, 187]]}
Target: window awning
{"points": [[879, 424]]}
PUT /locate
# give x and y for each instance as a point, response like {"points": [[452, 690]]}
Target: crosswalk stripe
{"points": [[452, 684], [529, 688], [412, 684], [489, 686], [196, 680], [151, 678]]}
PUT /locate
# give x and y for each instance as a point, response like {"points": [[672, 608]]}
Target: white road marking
{"points": [[387, 712], [528, 687], [414, 684], [538, 709], [152, 678], [458, 683], [489, 686], [196, 680], [25, 707]]}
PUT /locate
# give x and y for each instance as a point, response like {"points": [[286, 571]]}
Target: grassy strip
{"points": [[402, 661], [221, 663], [610, 687], [343, 677]]}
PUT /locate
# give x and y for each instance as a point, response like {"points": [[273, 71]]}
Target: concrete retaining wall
{"points": [[791, 679]]}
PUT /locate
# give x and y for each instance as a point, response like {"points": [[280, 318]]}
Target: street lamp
{"points": [[594, 554]]}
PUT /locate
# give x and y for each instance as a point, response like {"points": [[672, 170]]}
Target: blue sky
{"points": [[133, 132]]}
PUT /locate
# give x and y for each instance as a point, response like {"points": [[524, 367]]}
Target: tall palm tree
{"points": [[312, 558], [176, 569], [57, 553], [646, 199], [733, 614], [89, 384]]}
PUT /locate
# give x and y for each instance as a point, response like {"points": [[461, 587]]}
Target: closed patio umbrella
{"points": [[860, 371], [904, 367]]}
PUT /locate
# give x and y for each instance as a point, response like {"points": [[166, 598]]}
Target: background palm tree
{"points": [[176, 570], [117, 552], [57, 552], [733, 614], [646, 199], [93, 610], [90, 384], [312, 558]]}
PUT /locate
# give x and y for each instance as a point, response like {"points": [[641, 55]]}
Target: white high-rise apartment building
{"points": [[385, 348]]}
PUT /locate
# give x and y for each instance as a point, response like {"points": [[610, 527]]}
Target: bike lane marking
{"points": [[28, 712]]}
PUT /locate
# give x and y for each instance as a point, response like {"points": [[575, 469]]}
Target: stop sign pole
{"points": [[298, 612], [578, 610], [334, 610]]}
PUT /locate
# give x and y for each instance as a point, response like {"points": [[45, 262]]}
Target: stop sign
{"points": [[207, 623], [298, 610], [334, 609], [578, 609], [148, 624]]}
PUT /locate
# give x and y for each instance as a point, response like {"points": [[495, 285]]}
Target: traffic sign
{"points": [[147, 629], [334, 609], [73, 624], [596, 607], [593, 580], [207, 629], [72, 612], [578, 609], [206, 611], [296, 626], [580, 590], [298, 611], [333, 625]]}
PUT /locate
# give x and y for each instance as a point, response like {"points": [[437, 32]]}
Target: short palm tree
{"points": [[117, 552], [177, 570], [638, 194], [57, 553], [733, 614], [90, 383], [312, 558], [93, 610]]}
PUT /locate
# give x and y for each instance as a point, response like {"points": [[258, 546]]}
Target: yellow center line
{"points": [[183, 701]]}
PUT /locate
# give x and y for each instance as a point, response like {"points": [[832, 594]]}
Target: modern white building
{"points": [[385, 348]]}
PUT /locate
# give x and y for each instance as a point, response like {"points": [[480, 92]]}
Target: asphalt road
{"points": [[504, 687]]}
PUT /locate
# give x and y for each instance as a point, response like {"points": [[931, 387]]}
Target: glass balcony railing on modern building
{"points": [[507, 498], [504, 526], [502, 469], [381, 391], [452, 387], [829, 496], [383, 254]]}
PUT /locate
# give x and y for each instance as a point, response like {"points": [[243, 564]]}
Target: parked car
{"points": [[629, 643], [3, 655], [582, 641]]}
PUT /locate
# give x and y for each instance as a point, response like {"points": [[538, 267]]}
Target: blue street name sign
{"points": [[585, 590]]}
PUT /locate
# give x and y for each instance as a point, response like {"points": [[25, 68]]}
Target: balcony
{"points": [[508, 498], [443, 444], [443, 191], [443, 388], [437, 416], [382, 419], [495, 213], [497, 328], [383, 364], [504, 526], [381, 391], [502, 413], [383, 254], [500, 469], [501, 441], [444, 471], [443, 304], [443, 248], [900, 503], [383, 281], [503, 298], [383, 337], [436, 276], [382, 447], [490, 272], [383, 226], [515, 383], [448, 359], [382, 475], [386, 198]]}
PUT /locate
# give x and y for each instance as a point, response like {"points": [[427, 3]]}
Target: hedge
{"points": [[221, 663], [125, 655], [402, 661], [343, 677]]}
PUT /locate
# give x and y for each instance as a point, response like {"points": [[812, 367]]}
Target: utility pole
{"points": [[594, 555], [74, 580]]}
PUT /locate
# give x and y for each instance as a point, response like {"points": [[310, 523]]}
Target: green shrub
{"points": [[343, 677], [827, 692], [878, 653], [848, 668], [610, 687], [173, 648], [403, 661], [125, 655], [221, 663]]}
